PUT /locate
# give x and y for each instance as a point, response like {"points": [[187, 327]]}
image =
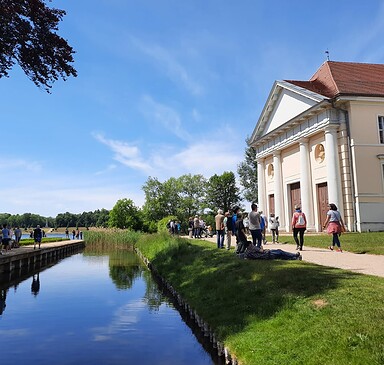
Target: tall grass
{"points": [[111, 237]]}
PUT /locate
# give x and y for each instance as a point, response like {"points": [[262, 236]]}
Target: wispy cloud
{"points": [[107, 170], [169, 63], [17, 164], [166, 116], [125, 153]]}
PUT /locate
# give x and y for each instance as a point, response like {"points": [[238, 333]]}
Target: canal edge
{"points": [[207, 331]]}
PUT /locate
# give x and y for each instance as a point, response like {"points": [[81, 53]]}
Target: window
{"points": [[381, 129]]}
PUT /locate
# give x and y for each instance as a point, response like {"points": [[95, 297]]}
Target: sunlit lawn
{"points": [[372, 242], [277, 312]]}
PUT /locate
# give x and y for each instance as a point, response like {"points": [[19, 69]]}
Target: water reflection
{"points": [[96, 307], [3, 298], [35, 287]]}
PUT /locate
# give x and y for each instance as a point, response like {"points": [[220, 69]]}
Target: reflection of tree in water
{"points": [[153, 296], [124, 268]]}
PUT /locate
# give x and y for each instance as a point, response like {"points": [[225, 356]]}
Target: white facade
{"points": [[314, 150]]}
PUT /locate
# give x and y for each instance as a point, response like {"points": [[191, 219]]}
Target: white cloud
{"points": [[168, 62], [125, 318], [164, 115], [18, 164], [107, 170], [127, 154]]}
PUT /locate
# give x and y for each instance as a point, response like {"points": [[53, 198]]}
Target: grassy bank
{"points": [[372, 243], [276, 312]]}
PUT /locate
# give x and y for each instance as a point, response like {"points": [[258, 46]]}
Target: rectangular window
{"points": [[381, 129]]}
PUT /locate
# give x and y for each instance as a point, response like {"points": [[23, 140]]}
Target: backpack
{"points": [[300, 220], [262, 222]]}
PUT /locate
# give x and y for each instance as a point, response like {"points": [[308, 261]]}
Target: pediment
{"points": [[285, 102]]}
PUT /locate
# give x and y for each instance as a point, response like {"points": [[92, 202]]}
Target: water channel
{"points": [[95, 307]]}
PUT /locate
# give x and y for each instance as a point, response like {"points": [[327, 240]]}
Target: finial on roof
{"points": [[327, 53]]}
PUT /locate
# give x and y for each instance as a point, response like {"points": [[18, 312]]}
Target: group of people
{"points": [[231, 224], [333, 223], [228, 225], [8, 242], [75, 234]]}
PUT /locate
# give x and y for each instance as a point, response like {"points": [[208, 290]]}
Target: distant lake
{"points": [[94, 308]]}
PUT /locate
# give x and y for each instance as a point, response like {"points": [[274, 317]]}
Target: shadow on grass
{"points": [[229, 292]]}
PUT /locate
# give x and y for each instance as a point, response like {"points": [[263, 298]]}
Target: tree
{"points": [[125, 215], [161, 199], [192, 193], [222, 191], [28, 37], [247, 171]]}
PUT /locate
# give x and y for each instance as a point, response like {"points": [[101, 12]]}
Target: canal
{"points": [[95, 307]]}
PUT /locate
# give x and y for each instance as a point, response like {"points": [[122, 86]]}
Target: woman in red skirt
{"points": [[335, 225]]}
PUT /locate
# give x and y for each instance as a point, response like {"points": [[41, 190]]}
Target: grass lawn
{"points": [[31, 241], [372, 243], [276, 312]]}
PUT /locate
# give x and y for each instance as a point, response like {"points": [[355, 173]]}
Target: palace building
{"points": [[322, 141]]}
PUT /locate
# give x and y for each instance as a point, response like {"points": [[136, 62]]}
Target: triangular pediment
{"points": [[285, 102]]}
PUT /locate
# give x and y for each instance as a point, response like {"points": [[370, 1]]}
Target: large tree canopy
{"points": [[28, 37], [222, 191]]}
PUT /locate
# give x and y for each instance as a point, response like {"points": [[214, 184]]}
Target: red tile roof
{"points": [[346, 78]]}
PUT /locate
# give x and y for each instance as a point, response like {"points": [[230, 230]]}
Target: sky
{"points": [[164, 88]]}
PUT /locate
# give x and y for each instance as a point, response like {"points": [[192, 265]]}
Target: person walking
{"points": [[254, 226], [37, 236], [299, 225], [263, 226], [227, 229], [18, 234], [196, 227], [219, 221], [274, 226], [335, 225]]}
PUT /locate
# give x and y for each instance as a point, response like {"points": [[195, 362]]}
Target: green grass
{"points": [[31, 241], [372, 243], [276, 312]]}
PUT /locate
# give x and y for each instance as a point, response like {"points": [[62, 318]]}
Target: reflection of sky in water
{"points": [[81, 317]]}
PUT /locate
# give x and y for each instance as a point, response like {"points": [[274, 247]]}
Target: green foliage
{"points": [[29, 37], [247, 171], [162, 223], [222, 192], [125, 215]]}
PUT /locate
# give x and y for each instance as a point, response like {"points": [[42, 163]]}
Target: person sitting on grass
{"points": [[255, 253]]}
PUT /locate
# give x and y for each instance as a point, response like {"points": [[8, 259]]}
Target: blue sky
{"points": [[164, 88]]}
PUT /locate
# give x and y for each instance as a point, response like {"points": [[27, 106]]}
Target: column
{"points": [[306, 184], [261, 184], [333, 170], [278, 187]]}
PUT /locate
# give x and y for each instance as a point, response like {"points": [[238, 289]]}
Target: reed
{"points": [[111, 237]]}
